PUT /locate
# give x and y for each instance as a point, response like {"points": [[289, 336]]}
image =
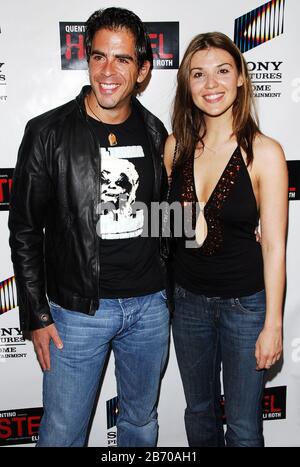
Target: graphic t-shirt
{"points": [[129, 262]]}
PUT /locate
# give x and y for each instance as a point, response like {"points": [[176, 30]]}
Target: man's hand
{"points": [[41, 339], [257, 234]]}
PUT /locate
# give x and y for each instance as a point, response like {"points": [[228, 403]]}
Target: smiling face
{"points": [[113, 70], [214, 80]]}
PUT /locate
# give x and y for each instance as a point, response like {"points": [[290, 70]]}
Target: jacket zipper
{"points": [[98, 183]]}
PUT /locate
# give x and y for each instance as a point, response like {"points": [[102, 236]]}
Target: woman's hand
{"points": [[268, 347]]}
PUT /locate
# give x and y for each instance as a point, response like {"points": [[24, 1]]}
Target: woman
{"points": [[229, 287]]}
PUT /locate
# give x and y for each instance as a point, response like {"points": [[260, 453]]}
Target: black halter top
{"points": [[229, 262]]}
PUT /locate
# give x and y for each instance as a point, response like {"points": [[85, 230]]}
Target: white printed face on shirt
{"points": [[119, 184]]}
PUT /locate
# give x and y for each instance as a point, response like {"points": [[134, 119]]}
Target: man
{"points": [[101, 276]]}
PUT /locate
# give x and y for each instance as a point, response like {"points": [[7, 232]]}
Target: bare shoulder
{"points": [[269, 161], [169, 152], [267, 151]]}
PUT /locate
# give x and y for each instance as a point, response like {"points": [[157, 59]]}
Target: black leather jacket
{"points": [[53, 212]]}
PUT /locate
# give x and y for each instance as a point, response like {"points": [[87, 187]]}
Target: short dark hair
{"points": [[115, 18]]}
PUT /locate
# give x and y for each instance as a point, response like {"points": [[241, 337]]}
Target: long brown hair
{"points": [[188, 122]]}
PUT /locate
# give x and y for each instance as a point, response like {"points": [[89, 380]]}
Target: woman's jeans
{"points": [[208, 331], [137, 329]]}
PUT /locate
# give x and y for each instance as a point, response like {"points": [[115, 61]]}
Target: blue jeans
{"points": [[137, 329], [208, 332]]}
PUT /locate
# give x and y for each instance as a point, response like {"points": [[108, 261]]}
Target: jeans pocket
{"points": [[163, 293], [255, 303]]}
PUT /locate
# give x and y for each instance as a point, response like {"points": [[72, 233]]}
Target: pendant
{"points": [[112, 139]]}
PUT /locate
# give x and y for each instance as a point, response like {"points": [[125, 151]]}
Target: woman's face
{"points": [[214, 80]]}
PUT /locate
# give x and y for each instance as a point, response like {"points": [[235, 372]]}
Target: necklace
{"points": [[112, 139]]}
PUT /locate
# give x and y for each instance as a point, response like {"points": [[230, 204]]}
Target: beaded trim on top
{"points": [[213, 206]]}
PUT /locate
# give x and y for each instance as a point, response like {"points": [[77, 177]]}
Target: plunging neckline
{"points": [[218, 182]]}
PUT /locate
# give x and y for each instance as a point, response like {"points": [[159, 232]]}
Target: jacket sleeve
{"points": [[31, 191]]}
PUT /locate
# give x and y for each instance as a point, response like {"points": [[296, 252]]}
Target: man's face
{"points": [[113, 69]]}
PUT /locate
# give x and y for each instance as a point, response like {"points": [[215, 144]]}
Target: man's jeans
{"points": [[207, 331], [138, 331]]}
